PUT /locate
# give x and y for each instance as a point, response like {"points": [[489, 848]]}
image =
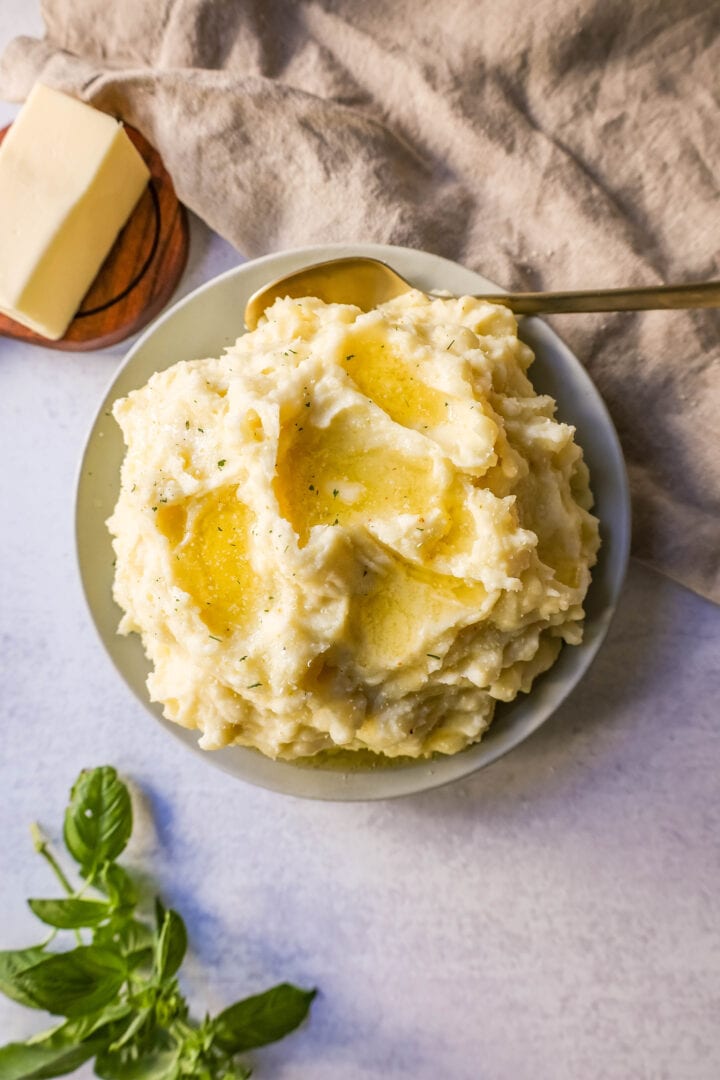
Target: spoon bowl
{"points": [[367, 282]]}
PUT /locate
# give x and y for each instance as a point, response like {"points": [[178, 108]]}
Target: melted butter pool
{"points": [[210, 560], [330, 476]]}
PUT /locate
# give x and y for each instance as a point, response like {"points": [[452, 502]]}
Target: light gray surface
{"points": [[202, 325], [553, 918]]}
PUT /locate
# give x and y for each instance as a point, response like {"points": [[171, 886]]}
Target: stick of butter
{"points": [[69, 179]]}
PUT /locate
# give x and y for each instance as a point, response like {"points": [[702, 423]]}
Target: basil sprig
{"points": [[116, 990]]}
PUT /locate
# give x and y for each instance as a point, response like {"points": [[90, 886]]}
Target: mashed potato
{"points": [[354, 530]]}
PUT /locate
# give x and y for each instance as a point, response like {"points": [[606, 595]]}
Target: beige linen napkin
{"points": [[565, 143]]}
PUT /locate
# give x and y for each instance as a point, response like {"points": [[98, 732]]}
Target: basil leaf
{"points": [[171, 945], [158, 1064], [263, 1018], [127, 936], [62, 1049], [132, 940], [98, 820], [139, 1021], [119, 886], [74, 983], [37, 1060], [85, 1026], [136, 935], [140, 958], [70, 913], [12, 963]]}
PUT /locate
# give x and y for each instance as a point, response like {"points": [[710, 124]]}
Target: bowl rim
{"points": [[332, 784]]}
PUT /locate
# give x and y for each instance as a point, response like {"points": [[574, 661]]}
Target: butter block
{"points": [[69, 179]]}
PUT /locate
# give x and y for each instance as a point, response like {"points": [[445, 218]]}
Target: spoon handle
{"points": [[657, 297]]}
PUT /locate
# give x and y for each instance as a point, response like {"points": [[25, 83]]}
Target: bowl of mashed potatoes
{"points": [[352, 554]]}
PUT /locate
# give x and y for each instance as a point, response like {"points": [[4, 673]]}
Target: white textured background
{"points": [[554, 918]]}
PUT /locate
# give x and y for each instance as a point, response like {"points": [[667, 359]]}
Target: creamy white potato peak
{"points": [[351, 530]]}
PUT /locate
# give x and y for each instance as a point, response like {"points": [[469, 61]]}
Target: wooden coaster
{"points": [[139, 274]]}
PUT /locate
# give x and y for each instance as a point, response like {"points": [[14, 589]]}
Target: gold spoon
{"points": [[369, 282]]}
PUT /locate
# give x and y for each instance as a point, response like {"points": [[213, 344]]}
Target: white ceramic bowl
{"points": [[202, 325]]}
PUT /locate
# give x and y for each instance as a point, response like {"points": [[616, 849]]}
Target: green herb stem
{"points": [[40, 843]]}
